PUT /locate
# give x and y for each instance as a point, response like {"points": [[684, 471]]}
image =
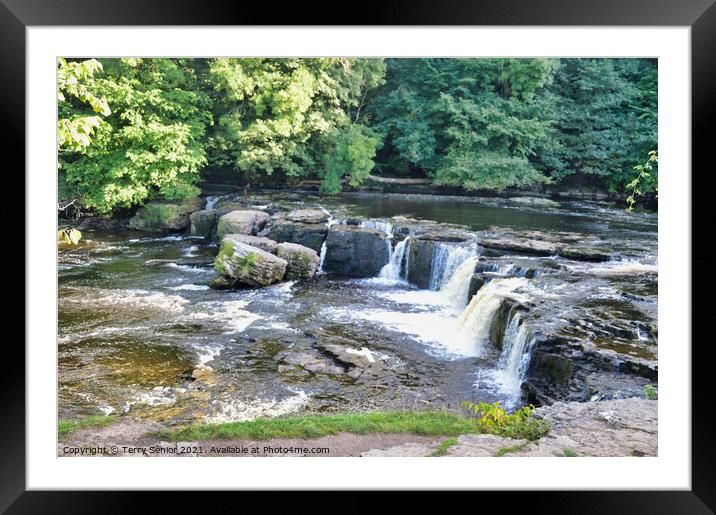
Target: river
{"points": [[141, 332]]}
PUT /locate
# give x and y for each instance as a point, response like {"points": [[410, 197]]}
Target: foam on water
{"points": [[245, 410]]}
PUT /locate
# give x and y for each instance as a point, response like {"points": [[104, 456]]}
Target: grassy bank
{"points": [[313, 426], [66, 427]]}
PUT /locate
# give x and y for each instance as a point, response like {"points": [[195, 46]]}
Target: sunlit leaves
{"points": [[69, 236]]}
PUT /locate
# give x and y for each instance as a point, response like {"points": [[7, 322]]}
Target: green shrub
{"points": [[493, 419], [651, 392]]}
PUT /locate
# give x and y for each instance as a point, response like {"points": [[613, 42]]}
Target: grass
{"points": [[569, 453], [506, 450], [442, 449], [429, 423], [66, 427]]}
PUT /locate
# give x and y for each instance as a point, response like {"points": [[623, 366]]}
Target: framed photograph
{"points": [[443, 248]]}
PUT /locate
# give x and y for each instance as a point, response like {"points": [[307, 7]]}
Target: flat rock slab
{"points": [[260, 242]]}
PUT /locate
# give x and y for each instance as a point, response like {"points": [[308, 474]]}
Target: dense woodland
{"points": [[132, 130]]}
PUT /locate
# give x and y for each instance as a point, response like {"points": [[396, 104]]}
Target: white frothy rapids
{"points": [[456, 288], [515, 358], [476, 319], [238, 410]]}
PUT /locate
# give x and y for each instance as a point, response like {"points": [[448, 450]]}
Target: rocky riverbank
{"points": [[624, 427]]}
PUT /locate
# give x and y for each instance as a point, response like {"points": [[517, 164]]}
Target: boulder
{"points": [[302, 261], [243, 264], [162, 216], [355, 251], [241, 222], [255, 241], [307, 216], [203, 223], [285, 231]]}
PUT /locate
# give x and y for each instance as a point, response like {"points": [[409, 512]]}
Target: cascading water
{"points": [[515, 358], [394, 270], [324, 247], [446, 260], [476, 319], [211, 202]]}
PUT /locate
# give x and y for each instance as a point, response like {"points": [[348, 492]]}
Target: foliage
{"points": [[69, 236], [471, 123], [646, 180], [651, 392], [493, 419], [151, 146], [569, 453], [352, 155], [75, 128], [314, 426], [66, 427], [286, 114], [604, 113], [466, 123]]}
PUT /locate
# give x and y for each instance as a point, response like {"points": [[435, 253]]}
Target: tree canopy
{"points": [[132, 130]]}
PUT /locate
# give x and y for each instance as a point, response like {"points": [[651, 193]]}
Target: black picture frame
{"points": [[700, 15]]}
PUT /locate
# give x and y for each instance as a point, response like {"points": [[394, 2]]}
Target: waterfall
{"points": [[476, 319], [385, 227], [446, 260], [457, 286], [515, 358], [324, 247], [393, 270], [389, 268]]}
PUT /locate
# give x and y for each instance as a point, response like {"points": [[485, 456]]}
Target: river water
{"points": [[138, 322]]}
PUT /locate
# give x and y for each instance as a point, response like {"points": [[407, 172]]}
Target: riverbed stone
{"points": [[241, 222], [203, 223], [307, 216], [553, 367], [355, 251], [266, 244], [302, 261], [248, 265], [285, 231], [163, 216]]}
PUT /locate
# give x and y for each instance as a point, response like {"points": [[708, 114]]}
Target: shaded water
{"points": [[136, 316]]}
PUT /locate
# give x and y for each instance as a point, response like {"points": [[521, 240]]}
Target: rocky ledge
{"points": [[620, 427]]}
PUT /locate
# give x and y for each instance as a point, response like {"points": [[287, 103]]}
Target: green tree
{"points": [[75, 126], [472, 123], [605, 114], [152, 144], [285, 115]]}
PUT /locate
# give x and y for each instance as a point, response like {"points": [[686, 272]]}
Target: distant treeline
{"points": [[134, 129]]}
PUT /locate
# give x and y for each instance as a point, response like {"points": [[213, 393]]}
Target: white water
{"points": [[324, 247], [446, 260], [515, 358], [393, 269], [457, 286], [476, 319], [211, 202]]}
